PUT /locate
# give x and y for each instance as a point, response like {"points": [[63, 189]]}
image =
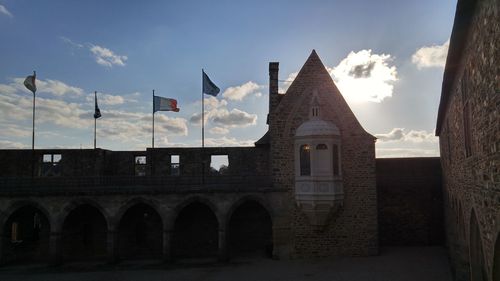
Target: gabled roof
{"points": [[312, 70], [314, 76]]}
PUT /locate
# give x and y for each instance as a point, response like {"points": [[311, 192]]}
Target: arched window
{"points": [[321, 146], [305, 160], [335, 160]]}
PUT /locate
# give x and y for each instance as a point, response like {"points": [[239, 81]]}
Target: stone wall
{"points": [[122, 214], [353, 230], [471, 153], [410, 202]]}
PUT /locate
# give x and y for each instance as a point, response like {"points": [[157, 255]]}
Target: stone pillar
{"points": [[273, 87], [112, 246], [1, 248], [281, 239], [166, 255], [223, 256], [55, 248]]}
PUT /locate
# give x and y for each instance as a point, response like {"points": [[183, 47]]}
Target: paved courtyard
{"points": [[393, 264]]}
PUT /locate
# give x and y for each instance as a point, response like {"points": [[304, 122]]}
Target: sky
{"points": [[386, 57]]}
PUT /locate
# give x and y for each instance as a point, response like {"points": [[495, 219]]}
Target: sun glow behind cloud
{"points": [[363, 76]]}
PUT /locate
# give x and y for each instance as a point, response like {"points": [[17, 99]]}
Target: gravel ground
{"points": [[393, 264]]}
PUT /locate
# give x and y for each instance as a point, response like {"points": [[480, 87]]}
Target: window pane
{"points": [[140, 160], [174, 159], [56, 158], [174, 165], [335, 160], [321, 146], [305, 160], [219, 163], [47, 158]]}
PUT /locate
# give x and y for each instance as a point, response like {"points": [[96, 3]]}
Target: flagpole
{"points": [[33, 134], [95, 122], [153, 137], [202, 113]]}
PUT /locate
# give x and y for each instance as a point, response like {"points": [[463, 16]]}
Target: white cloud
{"points": [[394, 134], [12, 130], [431, 56], [54, 87], [406, 152], [175, 126], [131, 128], [219, 131], [213, 103], [364, 76], [400, 134], [224, 141], [106, 99], [288, 82], [102, 55], [402, 143], [240, 92], [5, 144], [4, 11], [71, 42], [234, 118], [106, 57]]}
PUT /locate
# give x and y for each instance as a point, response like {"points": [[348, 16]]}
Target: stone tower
{"points": [[336, 212]]}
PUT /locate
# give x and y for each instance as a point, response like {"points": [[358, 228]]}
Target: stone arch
{"points": [[21, 203], [25, 232], [250, 227], [259, 199], [84, 231], [195, 230], [140, 230], [134, 201], [69, 207], [496, 259], [172, 216], [476, 254]]}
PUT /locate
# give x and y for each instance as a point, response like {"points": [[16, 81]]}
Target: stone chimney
{"points": [[273, 87]]}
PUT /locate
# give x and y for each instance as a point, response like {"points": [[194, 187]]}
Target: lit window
{"points": [[305, 160], [51, 165], [14, 232], [140, 165], [175, 165], [219, 164]]}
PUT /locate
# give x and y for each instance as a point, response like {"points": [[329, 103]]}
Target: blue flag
{"points": [[97, 111], [209, 87]]}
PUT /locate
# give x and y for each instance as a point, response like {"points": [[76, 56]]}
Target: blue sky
{"points": [[124, 49]]}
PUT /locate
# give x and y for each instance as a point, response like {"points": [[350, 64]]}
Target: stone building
{"points": [[308, 188], [468, 127]]}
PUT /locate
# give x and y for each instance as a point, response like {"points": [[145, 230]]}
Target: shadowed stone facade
{"points": [[308, 192], [468, 127]]}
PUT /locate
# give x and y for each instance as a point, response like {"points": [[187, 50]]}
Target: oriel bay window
{"points": [[305, 160]]}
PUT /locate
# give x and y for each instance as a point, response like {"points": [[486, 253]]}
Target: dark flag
{"points": [[209, 87], [29, 82], [97, 111]]}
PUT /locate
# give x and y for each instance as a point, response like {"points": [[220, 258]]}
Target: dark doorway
{"points": [[496, 260], [140, 233], [26, 236], [477, 270], [195, 232], [250, 231], [84, 234]]}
